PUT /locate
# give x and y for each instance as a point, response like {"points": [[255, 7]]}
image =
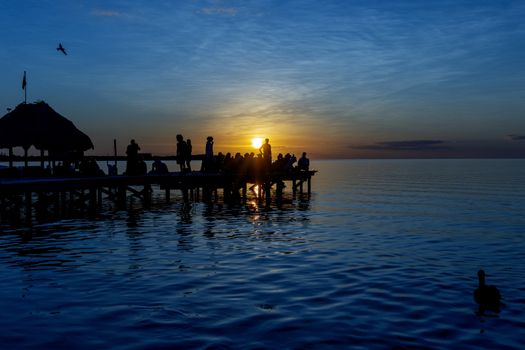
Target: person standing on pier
{"points": [[189, 148], [208, 155], [181, 152], [132, 152], [266, 151]]}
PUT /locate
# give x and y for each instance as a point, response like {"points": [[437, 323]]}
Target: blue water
{"points": [[384, 255]]}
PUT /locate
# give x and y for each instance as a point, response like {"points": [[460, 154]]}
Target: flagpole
{"points": [[24, 86]]}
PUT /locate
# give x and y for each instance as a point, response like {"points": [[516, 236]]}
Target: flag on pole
{"points": [[24, 82]]}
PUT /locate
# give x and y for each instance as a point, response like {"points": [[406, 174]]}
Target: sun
{"points": [[257, 142]]}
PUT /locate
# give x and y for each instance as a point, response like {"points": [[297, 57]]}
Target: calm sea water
{"points": [[384, 255]]}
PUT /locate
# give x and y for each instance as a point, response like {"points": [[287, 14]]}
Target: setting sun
{"points": [[257, 142]]}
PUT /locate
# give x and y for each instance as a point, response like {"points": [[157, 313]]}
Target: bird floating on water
{"points": [[486, 296], [61, 49]]}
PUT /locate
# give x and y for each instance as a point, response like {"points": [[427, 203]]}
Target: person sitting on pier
{"points": [[89, 167], [158, 167], [278, 165], [142, 168], [181, 152], [290, 161], [112, 169], [303, 163]]}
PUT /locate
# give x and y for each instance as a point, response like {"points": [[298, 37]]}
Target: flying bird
{"points": [[61, 48]]}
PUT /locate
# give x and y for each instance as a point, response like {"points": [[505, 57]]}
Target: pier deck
{"points": [[21, 198]]}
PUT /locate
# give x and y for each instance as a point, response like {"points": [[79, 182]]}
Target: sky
{"points": [[335, 79]]}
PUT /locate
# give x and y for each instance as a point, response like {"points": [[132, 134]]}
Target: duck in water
{"points": [[488, 297]]}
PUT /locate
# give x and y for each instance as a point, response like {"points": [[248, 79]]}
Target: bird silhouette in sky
{"points": [[61, 48]]}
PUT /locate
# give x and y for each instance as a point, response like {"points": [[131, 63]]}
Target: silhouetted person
{"points": [[279, 163], [158, 167], [181, 152], [89, 167], [142, 167], [218, 162], [132, 152], [303, 163], [61, 49], [189, 149], [208, 155], [112, 169], [266, 151], [488, 297], [290, 161]]}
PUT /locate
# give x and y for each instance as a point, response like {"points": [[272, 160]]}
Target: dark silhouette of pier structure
{"points": [[24, 198], [59, 190]]}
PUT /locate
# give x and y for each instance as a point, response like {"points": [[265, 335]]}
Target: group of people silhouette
{"points": [[249, 164], [184, 149]]}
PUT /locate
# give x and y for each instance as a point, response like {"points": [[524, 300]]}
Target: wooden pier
{"points": [[22, 199]]}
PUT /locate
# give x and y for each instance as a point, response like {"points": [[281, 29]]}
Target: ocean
{"points": [[383, 255]]}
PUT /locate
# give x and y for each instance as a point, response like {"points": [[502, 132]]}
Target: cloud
{"points": [[515, 137], [412, 145], [219, 11], [106, 13]]}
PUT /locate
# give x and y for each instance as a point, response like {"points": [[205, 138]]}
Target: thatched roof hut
{"points": [[38, 125]]}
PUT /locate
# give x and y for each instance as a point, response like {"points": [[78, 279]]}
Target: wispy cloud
{"points": [[515, 137], [412, 145], [106, 13], [220, 11]]}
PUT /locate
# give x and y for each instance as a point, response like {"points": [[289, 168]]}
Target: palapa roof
{"points": [[39, 125]]}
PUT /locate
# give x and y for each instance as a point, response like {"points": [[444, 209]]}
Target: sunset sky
{"points": [[337, 79]]}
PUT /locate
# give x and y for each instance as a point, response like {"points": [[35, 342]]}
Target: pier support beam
{"points": [[28, 208]]}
